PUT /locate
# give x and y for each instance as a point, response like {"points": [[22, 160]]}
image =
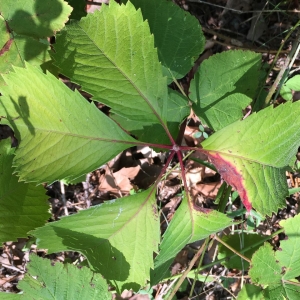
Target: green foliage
{"points": [[250, 292], [277, 269], [258, 172], [125, 56], [289, 86], [238, 242], [126, 230], [23, 25], [223, 86], [24, 203], [67, 282], [176, 54], [189, 224], [27, 94]]}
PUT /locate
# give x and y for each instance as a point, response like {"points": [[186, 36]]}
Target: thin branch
{"points": [[286, 63], [232, 249], [185, 273]]}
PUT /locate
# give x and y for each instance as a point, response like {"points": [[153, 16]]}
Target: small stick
{"points": [[63, 197], [185, 273], [232, 249]]}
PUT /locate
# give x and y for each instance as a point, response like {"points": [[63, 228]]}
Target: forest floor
{"points": [[260, 26]]}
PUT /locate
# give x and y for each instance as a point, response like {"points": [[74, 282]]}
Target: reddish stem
{"points": [[179, 155]]}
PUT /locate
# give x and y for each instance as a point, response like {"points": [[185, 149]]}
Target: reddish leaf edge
{"points": [[231, 175]]}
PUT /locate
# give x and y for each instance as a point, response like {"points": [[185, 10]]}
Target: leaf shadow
{"points": [[103, 258], [30, 28], [240, 87]]}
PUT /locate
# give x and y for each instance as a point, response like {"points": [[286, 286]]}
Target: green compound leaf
{"points": [[223, 86], [46, 280], [266, 270], [116, 62], [189, 224], [60, 133], [177, 35], [22, 23], [252, 156], [23, 206], [238, 242], [118, 238]]}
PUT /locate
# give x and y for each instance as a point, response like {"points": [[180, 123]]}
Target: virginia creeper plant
{"points": [[125, 56]]}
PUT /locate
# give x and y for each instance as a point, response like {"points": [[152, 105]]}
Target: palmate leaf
{"points": [[111, 54], [223, 86], [118, 238], [177, 35], [189, 224], [23, 206], [252, 155], [61, 135], [22, 23]]}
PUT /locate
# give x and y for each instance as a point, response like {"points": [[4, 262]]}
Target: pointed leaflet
{"points": [[177, 35], [118, 238], [111, 54], [22, 23], [23, 206], [251, 155], [46, 280], [223, 86], [62, 136], [189, 224]]}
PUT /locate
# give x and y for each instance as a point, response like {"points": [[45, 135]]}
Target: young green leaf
{"points": [[61, 135], [252, 156], [223, 86], [177, 35], [292, 84], [118, 238], [189, 224], [24, 206], [266, 270], [117, 63], [46, 280], [22, 23]]}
